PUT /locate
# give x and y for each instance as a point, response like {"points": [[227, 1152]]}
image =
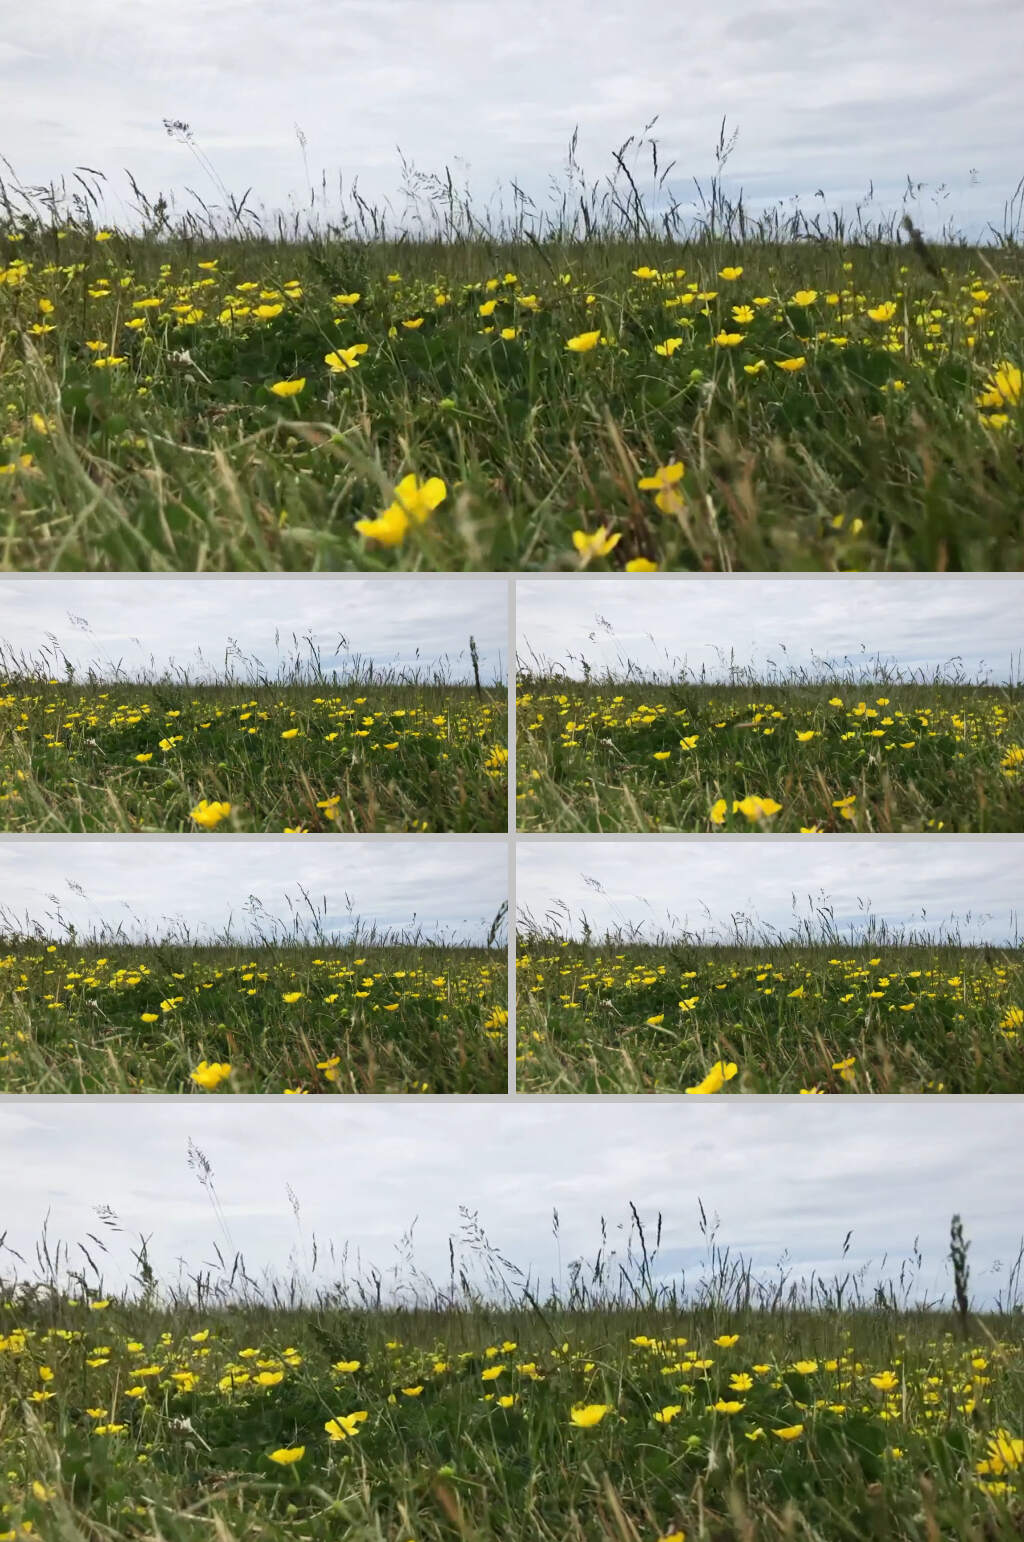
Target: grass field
{"points": [[623, 1410], [166, 756], [895, 1014], [376, 1015], [775, 393], [796, 755]]}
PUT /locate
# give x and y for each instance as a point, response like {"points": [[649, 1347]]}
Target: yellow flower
{"points": [[209, 1075], [586, 1415], [345, 1425], [641, 565], [420, 500], [287, 387], [791, 364], [720, 1073], [413, 502], [1005, 1453], [285, 1456], [345, 358], [1004, 388], [388, 528], [209, 815], [665, 476], [791, 1432], [756, 808], [597, 543], [584, 342]]}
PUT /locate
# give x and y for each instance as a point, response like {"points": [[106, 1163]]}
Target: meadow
{"points": [[600, 386], [619, 1407], [381, 754], [798, 754], [893, 1014], [376, 1014]]}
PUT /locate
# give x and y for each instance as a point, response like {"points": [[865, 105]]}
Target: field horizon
{"points": [[618, 391], [373, 1012], [366, 751], [889, 1012], [794, 751], [615, 1402]]}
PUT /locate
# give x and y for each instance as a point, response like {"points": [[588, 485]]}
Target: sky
{"points": [[784, 1176], [824, 96], [448, 886], [207, 625], [771, 626], [697, 886]]}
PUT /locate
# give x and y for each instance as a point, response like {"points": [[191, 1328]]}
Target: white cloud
{"points": [[770, 626], [822, 98], [783, 1175], [202, 625], [146, 885], [925, 884]]}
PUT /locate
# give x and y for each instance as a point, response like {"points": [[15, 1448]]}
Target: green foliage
{"points": [[890, 1433], [352, 1018], [787, 1018], [132, 757], [180, 457], [888, 757]]}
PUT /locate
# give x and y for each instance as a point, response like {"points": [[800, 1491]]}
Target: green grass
{"points": [[893, 1015], [890, 756], [897, 444], [371, 757], [376, 1015], [135, 1415]]}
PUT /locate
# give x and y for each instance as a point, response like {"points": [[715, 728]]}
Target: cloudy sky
{"points": [[772, 626], [206, 626], [912, 882], [825, 96], [365, 1173], [446, 885]]}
